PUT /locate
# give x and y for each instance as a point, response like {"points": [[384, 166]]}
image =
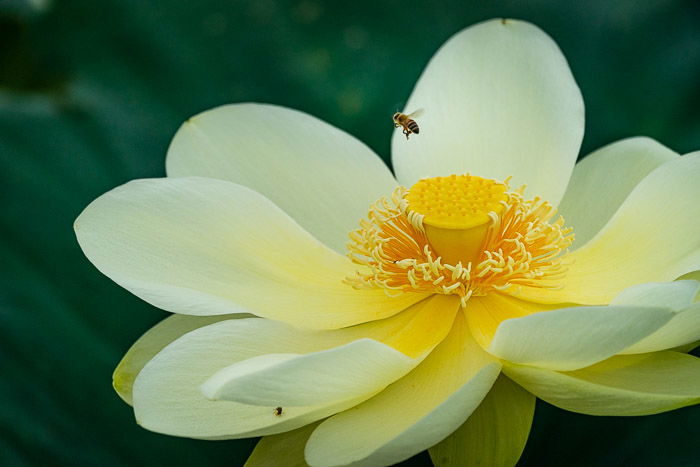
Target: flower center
{"points": [[456, 212], [462, 235]]}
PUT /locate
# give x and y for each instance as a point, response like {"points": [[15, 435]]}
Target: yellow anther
{"points": [[468, 205], [464, 200], [460, 235]]}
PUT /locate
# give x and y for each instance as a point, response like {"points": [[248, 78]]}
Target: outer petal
{"points": [[675, 295], [682, 329], [167, 397], [623, 385], [204, 247], [152, 342], [289, 446], [495, 434], [166, 392], [412, 414], [572, 338], [603, 180], [691, 276], [321, 176], [653, 237], [360, 367], [499, 100]]}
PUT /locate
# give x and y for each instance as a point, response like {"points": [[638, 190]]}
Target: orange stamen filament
{"points": [[395, 250]]}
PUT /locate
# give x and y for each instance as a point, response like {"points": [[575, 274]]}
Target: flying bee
{"points": [[407, 122], [278, 411]]}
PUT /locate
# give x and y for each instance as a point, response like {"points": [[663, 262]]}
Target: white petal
{"points": [[603, 180], [361, 367], [682, 329], [675, 295], [572, 338], [623, 385], [321, 176], [203, 247], [167, 396], [499, 100], [485, 314], [288, 446], [495, 434], [412, 414], [152, 342], [653, 237], [166, 393]]}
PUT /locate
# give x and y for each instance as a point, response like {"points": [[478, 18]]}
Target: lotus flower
{"points": [[352, 316]]}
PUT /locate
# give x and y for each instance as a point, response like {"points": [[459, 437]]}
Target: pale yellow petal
{"points": [[201, 246], [641, 384], [571, 338], [692, 276], [485, 314], [653, 237], [321, 176], [676, 295], [152, 342], [416, 330], [283, 449], [412, 414], [679, 295], [495, 434], [602, 181], [499, 100], [682, 330], [167, 395], [360, 367]]}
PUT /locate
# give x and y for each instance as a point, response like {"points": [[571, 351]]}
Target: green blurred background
{"points": [[92, 91]]}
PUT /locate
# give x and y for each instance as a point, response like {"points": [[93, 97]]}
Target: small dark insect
{"points": [[278, 411], [407, 123]]}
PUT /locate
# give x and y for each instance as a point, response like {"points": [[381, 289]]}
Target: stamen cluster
{"points": [[522, 247]]}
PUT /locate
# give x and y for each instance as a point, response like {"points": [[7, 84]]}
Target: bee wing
{"points": [[416, 113]]}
